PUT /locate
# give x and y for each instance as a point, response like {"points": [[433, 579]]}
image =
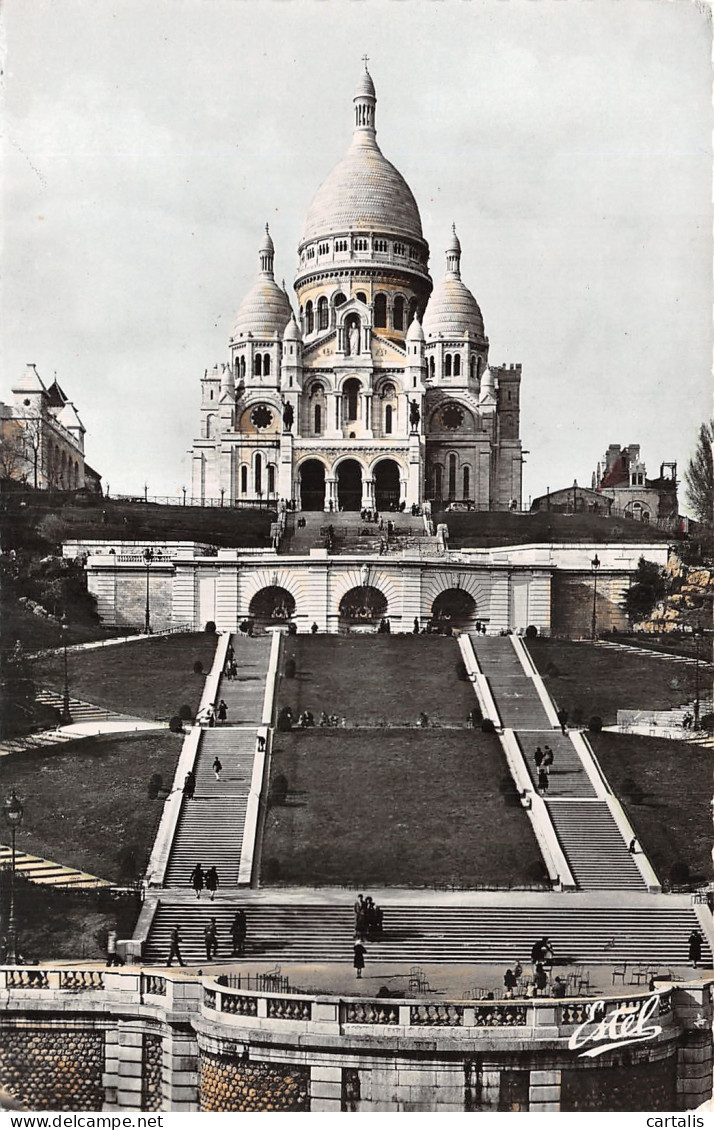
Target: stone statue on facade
{"points": [[288, 417], [353, 341], [414, 415]]}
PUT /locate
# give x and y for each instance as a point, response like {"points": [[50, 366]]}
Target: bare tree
{"points": [[699, 476]]}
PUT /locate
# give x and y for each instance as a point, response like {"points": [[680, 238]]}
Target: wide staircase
{"points": [[210, 826], [598, 856], [351, 534], [324, 932]]}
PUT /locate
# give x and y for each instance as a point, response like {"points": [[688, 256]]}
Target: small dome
{"points": [[452, 311], [292, 331], [415, 331], [365, 86], [265, 311], [267, 244], [453, 244]]}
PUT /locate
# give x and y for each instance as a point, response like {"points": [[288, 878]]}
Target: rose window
{"points": [[452, 417], [261, 417]]}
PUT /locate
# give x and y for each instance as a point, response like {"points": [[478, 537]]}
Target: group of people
{"points": [[384, 626], [543, 761], [369, 926], [238, 930], [208, 715], [199, 879], [542, 958], [369, 515]]}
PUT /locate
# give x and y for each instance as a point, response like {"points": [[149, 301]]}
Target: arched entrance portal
{"points": [[272, 605], [349, 485], [312, 485], [454, 607], [386, 485], [363, 605]]}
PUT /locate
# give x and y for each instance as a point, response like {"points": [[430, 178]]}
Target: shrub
{"points": [[198, 667], [128, 863], [531, 632], [155, 784], [290, 669], [537, 871], [578, 716], [679, 873], [707, 722], [595, 724], [278, 790], [487, 726], [186, 713], [176, 725], [552, 670], [461, 673], [210, 626]]}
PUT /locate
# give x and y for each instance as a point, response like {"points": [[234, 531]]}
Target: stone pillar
{"points": [[544, 1091], [414, 482], [325, 1088], [129, 1051], [403, 490], [330, 493], [367, 493], [181, 1070], [226, 477], [692, 1008], [285, 466]]}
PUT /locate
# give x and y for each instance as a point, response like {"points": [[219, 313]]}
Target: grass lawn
{"points": [[395, 808], [54, 925], [372, 680], [673, 822], [498, 528], [86, 803], [602, 680], [148, 678]]}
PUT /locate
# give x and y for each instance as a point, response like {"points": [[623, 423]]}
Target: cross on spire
{"points": [[365, 60]]}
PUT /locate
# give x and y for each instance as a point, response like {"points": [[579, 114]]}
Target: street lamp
{"points": [[184, 495], [65, 716], [13, 818], [595, 565], [148, 558]]}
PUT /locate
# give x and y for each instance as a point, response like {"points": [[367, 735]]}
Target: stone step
{"points": [[594, 847]]}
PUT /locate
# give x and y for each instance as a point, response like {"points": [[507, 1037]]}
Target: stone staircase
{"points": [[588, 834], [320, 932], [81, 711], [352, 535], [598, 856], [46, 873]]}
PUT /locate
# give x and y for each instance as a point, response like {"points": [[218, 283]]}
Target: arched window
{"points": [[309, 319], [388, 416], [352, 387], [242, 367], [318, 419], [244, 479], [438, 480], [266, 364], [259, 474], [467, 482], [257, 365], [398, 313], [431, 367], [457, 364], [210, 420], [339, 299], [380, 311], [271, 478], [316, 389], [472, 365], [452, 476], [323, 314], [447, 365], [361, 296]]}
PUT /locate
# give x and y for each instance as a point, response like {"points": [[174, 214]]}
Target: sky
{"points": [[147, 144]]}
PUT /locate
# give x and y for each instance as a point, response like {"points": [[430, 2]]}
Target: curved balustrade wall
{"points": [[144, 1040]]}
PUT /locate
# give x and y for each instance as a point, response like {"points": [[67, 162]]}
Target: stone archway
{"points": [[272, 605], [455, 608], [386, 485], [349, 485], [363, 605], [312, 485]]}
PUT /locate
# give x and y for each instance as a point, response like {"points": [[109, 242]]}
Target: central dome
{"points": [[364, 190]]}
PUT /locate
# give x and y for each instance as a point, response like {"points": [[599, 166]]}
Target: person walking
{"points": [[538, 757], [632, 846], [210, 935], [174, 947], [543, 781], [358, 958], [540, 979], [211, 881], [238, 931], [548, 757], [112, 955], [695, 947], [196, 879], [261, 743], [217, 766], [563, 719], [222, 711], [510, 982], [189, 785]]}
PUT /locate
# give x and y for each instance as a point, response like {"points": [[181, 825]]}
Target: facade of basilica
{"points": [[378, 393]]}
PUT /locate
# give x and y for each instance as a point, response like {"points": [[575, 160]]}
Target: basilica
{"points": [[376, 391]]}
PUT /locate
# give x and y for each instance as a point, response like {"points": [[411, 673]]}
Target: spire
{"points": [[453, 254], [365, 101], [267, 254]]}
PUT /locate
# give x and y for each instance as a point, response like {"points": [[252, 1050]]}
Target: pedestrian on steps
{"points": [[238, 931], [632, 846], [547, 757], [197, 879], [174, 947], [563, 719], [210, 935], [695, 947], [211, 881], [358, 959], [538, 757], [222, 711], [189, 784], [261, 743], [217, 767], [543, 781]]}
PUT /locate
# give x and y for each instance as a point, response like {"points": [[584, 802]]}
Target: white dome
{"points": [[265, 311], [452, 311], [292, 332], [415, 331]]}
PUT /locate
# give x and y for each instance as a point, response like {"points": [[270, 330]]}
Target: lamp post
{"points": [[595, 565], [65, 716], [13, 818], [697, 639], [184, 495], [148, 558]]}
